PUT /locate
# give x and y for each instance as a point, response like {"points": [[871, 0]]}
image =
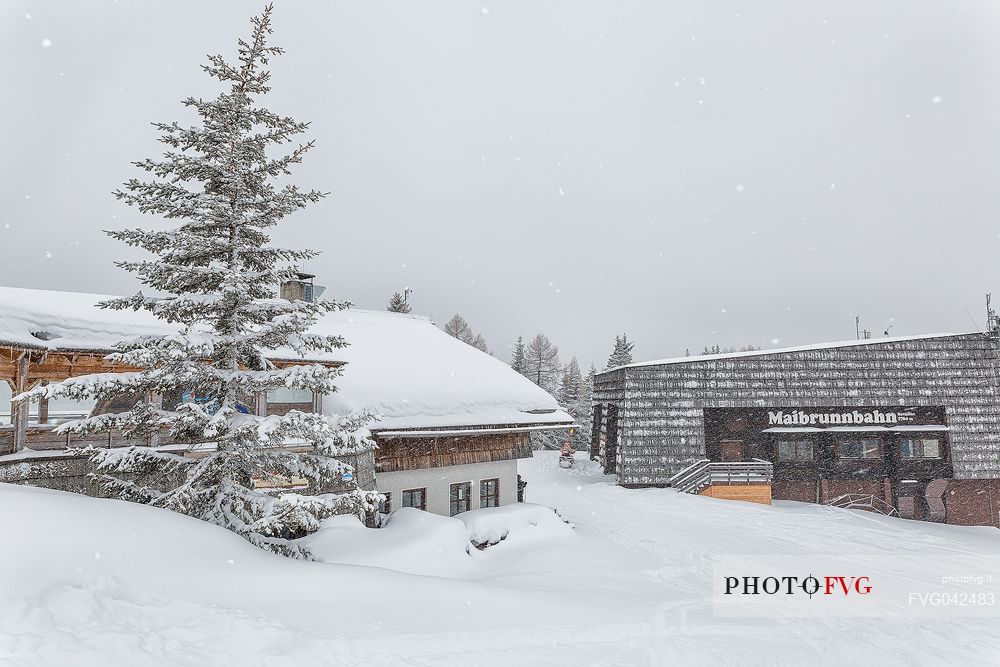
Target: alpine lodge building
{"points": [[450, 422], [908, 426]]}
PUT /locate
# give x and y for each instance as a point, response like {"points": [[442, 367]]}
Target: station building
{"points": [[906, 426]]}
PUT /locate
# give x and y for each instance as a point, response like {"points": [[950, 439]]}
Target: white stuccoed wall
{"points": [[438, 482]]}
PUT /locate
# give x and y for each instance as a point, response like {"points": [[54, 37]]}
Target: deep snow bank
{"points": [[524, 521], [411, 541], [417, 542], [85, 581], [88, 581]]}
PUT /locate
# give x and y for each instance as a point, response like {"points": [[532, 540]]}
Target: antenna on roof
{"points": [[862, 334], [991, 315]]}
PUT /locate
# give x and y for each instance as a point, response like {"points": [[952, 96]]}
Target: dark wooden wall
{"points": [[660, 407], [429, 452]]}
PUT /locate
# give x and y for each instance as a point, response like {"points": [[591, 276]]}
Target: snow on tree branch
{"points": [[214, 277]]}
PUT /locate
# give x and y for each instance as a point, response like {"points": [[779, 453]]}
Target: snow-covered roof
{"points": [[401, 366], [801, 348], [417, 376]]}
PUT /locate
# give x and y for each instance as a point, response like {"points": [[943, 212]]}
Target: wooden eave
{"points": [[478, 429], [60, 364]]}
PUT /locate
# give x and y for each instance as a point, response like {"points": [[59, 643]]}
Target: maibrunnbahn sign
{"points": [[847, 418]]}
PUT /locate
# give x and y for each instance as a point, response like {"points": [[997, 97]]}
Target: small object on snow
{"points": [[566, 456]]}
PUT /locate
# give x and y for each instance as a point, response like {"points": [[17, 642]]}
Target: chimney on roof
{"points": [[301, 288]]}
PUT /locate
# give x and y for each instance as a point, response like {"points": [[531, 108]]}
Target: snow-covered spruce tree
{"points": [[585, 409], [621, 355], [219, 277], [574, 397], [571, 384], [398, 304], [517, 361]]}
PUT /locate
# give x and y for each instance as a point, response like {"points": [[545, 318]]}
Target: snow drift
{"points": [[86, 581]]}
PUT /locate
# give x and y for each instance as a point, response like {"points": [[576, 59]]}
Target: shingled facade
{"points": [[653, 419]]}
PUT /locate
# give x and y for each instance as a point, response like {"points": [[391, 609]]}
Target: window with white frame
{"points": [[461, 497], [863, 448], [489, 493], [414, 498], [920, 448], [795, 450]]}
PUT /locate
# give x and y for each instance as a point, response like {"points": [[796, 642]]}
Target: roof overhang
{"points": [[453, 432]]}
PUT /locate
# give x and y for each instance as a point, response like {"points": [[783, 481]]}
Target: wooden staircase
{"points": [[734, 480]]}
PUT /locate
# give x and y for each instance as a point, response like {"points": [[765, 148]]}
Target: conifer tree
{"points": [[571, 385], [222, 189], [587, 395], [585, 409], [479, 343], [573, 396], [621, 355], [517, 361], [541, 360], [460, 329], [398, 304]]}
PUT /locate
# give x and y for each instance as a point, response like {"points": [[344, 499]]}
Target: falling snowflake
{"points": [[936, 99], [561, 193], [46, 43], [739, 188]]}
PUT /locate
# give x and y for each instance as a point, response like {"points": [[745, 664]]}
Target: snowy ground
{"points": [[98, 582]]}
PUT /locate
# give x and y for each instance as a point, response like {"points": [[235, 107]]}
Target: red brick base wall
{"points": [[802, 491], [973, 502], [867, 487], [967, 502]]}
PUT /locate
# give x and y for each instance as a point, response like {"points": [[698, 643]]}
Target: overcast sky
{"points": [[693, 173]]}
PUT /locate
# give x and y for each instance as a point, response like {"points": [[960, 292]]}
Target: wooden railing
{"points": [[55, 418], [42, 437], [692, 479], [702, 474]]}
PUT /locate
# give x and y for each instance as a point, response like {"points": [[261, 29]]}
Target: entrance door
{"points": [[611, 441], [732, 450]]}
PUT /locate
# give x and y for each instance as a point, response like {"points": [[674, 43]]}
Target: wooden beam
{"points": [[43, 407], [19, 409]]}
